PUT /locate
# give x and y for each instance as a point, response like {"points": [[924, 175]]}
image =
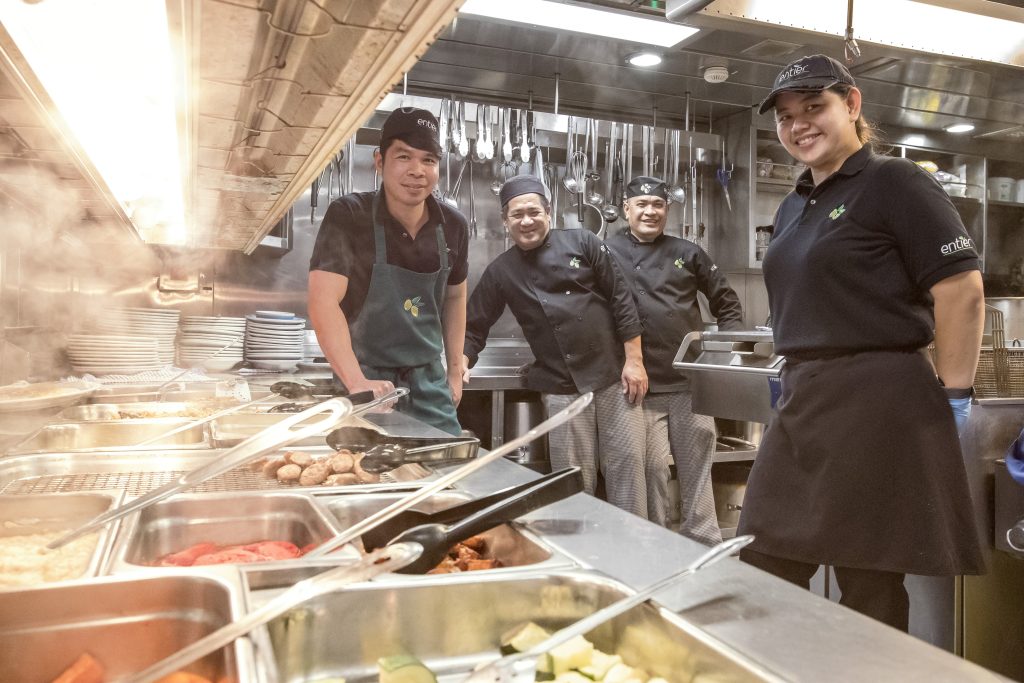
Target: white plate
{"points": [[310, 365], [279, 365], [283, 315], [44, 395], [301, 322]]}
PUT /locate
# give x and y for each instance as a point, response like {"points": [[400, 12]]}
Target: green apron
{"points": [[398, 333]]}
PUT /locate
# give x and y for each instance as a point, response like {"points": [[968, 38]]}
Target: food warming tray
{"points": [[125, 623], [454, 623], [112, 435], [21, 515], [138, 472]]}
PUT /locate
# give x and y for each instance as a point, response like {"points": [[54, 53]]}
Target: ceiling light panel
{"points": [[575, 18]]}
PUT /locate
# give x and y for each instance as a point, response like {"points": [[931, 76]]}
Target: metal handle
{"points": [[380, 561], [679, 364], [356, 530], [254, 447]]}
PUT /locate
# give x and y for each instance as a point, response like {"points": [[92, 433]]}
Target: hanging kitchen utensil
{"points": [[524, 147], [506, 146], [541, 171], [645, 141], [724, 176], [451, 197], [436, 539], [675, 192], [387, 531], [258, 445], [463, 138], [350, 162], [627, 153], [594, 197], [443, 125], [693, 186], [522, 666], [388, 559], [453, 126], [480, 143], [443, 482], [472, 205], [568, 180], [314, 192]]}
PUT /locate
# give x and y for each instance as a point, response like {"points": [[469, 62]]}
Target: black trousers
{"points": [[877, 594]]}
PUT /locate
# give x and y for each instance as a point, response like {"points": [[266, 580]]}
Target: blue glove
{"points": [[961, 411]]}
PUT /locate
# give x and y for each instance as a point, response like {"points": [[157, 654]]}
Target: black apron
{"points": [[399, 335], [862, 468]]}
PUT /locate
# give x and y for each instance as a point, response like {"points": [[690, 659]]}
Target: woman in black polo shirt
{"points": [[861, 469]]}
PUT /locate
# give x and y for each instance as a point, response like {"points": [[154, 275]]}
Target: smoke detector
{"points": [[716, 74]]}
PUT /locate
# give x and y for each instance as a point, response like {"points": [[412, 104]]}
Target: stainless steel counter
{"points": [[790, 631]]}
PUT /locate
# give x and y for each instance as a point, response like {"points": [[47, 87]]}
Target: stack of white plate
{"points": [[202, 336], [159, 323], [273, 340], [312, 354], [100, 354]]}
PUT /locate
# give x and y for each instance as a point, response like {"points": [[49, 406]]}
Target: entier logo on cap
{"points": [[646, 188], [427, 123], [792, 72]]}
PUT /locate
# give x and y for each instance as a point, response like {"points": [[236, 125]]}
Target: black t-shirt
{"points": [[575, 310], [345, 244], [851, 260]]}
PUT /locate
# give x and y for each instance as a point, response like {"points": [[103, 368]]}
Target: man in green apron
{"points": [[387, 280]]}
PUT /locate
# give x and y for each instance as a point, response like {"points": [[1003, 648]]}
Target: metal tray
{"points": [[455, 623], [113, 435], [102, 412], [125, 623], [231, 430], [138, 472], [515, 546], [20, 515], [221, 518]]}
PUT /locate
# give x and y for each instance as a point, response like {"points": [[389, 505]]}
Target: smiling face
{"points": [[528, 220], [646, 215], [408, 174], [819, 128]]}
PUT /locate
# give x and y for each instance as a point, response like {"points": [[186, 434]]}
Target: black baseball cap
{"points": [[415, 127], [646, 186], [808, 74]]}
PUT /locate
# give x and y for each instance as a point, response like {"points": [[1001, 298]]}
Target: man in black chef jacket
{"points": [[665, 274], [580, 320], [387, 280]]}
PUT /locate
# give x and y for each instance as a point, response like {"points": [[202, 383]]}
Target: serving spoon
{"points": [[521, 667], [387, 559]]}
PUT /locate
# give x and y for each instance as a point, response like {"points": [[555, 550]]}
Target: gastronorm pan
{"points": [[231, 430], [142, 410], [220, 518], [25, 515], [125, 623], [121, 434], [455, 623], [512, 544], [138, 472]]}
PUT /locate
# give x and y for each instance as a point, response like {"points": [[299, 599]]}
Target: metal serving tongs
{"points": [[521, 667], [378, 562], [371, 522]]}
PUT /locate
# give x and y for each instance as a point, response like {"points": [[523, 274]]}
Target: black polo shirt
{"points": [[665, 276], [345, 244], [851, 260], [572, 304]]}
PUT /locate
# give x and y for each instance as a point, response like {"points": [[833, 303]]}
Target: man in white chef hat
{"points": [[580, 320]]}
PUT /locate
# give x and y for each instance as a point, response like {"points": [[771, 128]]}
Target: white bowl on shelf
{"points": [[1001, 189]]}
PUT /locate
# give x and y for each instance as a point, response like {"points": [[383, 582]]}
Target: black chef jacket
{"points": [[665, 276], [575, 310], [851, 260], [345, 244]]}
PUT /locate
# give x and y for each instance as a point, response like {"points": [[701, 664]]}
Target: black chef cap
{"points": [[808, 74], [643, 185], [521, 184], [415, 127]]}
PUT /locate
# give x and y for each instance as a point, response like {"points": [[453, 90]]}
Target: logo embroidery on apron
{"points": [[574, 262], [413, 306], [837, 212], [678, 263]]}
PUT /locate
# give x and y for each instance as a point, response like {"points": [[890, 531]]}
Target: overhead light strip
{"points": [[578, 19], [108, 68]]}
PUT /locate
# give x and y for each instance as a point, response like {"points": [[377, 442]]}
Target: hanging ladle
{"points": [[422, 494], [387, 559], [522, 666]]}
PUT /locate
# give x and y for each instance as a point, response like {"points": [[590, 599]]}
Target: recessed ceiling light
{"points": [[594, 21], [644, 59], [959, 128]]}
